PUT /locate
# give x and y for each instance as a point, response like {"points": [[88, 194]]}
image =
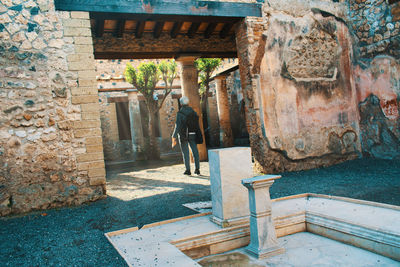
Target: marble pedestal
{"points": [[228, 166], [263, 240]]}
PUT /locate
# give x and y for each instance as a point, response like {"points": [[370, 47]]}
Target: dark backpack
{"points": [[192, 126], [192, 122]]}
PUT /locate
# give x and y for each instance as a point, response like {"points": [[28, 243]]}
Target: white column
{"points": [[228, 166], [263, 240], [136, 123]]}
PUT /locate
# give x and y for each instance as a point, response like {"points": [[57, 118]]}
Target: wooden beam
{"points": [[139, 28], [209, 30], [99, 27], [152, 17], [225, 30], [120, 28], [193, 29], [169, 54], [176, 29], [164, 7], [158, 29]]}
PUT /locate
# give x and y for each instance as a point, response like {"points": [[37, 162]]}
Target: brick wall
{"points": [[50, 138]]}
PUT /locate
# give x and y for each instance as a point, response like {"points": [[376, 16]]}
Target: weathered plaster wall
{"points": [[298, 86], [51, 151], [375, 26], [378, 93]]}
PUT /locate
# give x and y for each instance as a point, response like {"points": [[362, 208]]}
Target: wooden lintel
{"points": [[209, 30], [120, 28], [158, 29], [168, 54], [140, 28], [225, 30], [163, 7], [176, 29], [99, 28], [170, 18], [193, 29]]}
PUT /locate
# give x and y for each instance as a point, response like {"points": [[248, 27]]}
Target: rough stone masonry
{"points": [[51, 151]]}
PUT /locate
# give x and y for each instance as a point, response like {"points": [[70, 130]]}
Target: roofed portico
{"points": [[127, 29]]}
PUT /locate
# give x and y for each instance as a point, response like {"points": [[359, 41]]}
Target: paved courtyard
{"points": [[156, 191]]}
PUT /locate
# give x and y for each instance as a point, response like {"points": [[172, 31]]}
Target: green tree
{"points": [[145, 79], [206, 67]]}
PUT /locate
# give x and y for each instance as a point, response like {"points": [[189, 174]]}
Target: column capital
{"points": [[186, 59], [260, 181]]}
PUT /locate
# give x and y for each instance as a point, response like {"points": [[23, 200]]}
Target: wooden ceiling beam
{"points": [[150, 17], [168, 54], [225, 30], [193, 29], [158, 29], [120, 28], [99, 28], [139, 28], [163, 7], [176, 29], [209, 30]]}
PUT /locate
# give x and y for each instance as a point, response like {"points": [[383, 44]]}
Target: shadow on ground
{"points": [[146, 194]]}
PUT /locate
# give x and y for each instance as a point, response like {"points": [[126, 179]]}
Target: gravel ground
{"points": [[154, 192]]}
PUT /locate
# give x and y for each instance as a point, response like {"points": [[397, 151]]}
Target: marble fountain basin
{"points": [[308, 226]]}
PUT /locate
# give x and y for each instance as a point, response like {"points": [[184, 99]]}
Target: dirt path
{"points": [[148, 193]]}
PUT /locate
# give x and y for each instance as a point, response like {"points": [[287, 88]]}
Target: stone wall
{"points": [[299, 91], [51, 149], [375, 26]]}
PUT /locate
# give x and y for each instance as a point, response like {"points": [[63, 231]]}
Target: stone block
{"points": [[83, 40], [97, 172], [93, 140], [95, 148], [90, 108], [84, 99], [90, 115], [89, 157], [73, 32], [228, 166], [83, 90], [79, 15], [86, 124], [87, 74], [85, 48], [81, 65], [87, 132], [97, 180], [87, 82], [78, 23]]}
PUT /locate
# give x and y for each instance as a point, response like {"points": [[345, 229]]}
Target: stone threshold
{"points": [[368, 225]]}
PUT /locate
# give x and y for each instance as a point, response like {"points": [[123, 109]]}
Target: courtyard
{"points": [[154, 192]]}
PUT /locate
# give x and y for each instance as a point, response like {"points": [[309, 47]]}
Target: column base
{"points": [[224, 223], [265, 253]]}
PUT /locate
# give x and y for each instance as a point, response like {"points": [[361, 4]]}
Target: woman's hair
{"points": [[184, 100]]}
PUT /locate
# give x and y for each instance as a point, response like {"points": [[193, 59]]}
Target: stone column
{"points": [[225, 129], [190, 88], [228, 166], [136, 123], [263, 240]]}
